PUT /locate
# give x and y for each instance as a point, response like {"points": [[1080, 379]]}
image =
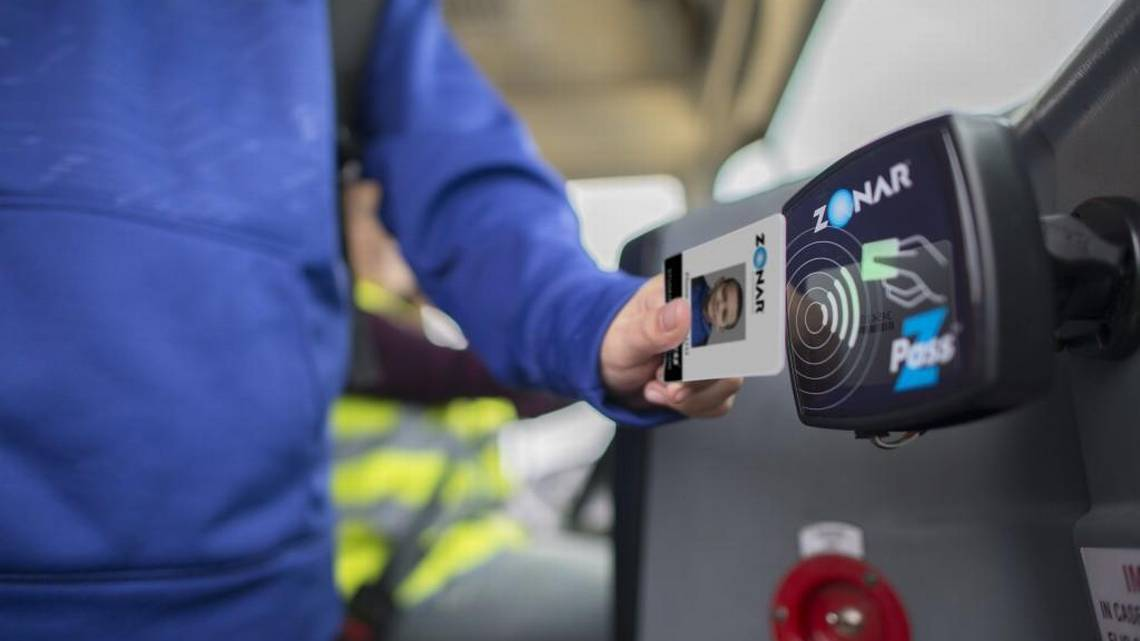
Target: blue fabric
{"points": [[699, 292], [173, 299]]}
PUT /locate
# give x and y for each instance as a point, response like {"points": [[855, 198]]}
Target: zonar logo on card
{"points": [[759, 260]]}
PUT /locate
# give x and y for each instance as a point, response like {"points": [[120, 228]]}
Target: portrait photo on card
{"points": [[718, 306]]}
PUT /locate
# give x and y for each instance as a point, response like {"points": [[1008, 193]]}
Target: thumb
{"points": [[664, 328]]}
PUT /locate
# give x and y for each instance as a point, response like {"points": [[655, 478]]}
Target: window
{"points": [[874, 65]]}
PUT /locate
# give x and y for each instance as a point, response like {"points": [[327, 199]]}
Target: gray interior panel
{"points": [[969, 524]]}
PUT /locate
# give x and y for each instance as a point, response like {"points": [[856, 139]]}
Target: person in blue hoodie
{"points": [[174, 300]]}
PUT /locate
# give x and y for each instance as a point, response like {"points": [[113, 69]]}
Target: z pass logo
{"points": [[921, 352]]}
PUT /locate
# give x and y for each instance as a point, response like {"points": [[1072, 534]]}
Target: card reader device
{"points": [[925, 288], [918, 286]]}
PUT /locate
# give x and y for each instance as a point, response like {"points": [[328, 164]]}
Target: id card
{"points": [[735, 288]]}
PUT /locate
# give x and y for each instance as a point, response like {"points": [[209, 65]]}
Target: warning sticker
{"points": [[1114, 582]]}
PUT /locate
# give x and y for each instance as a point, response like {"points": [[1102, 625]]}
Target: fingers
{"points": [[645, 328], [714, 400], [701, 399], [665, 327], [653, 292], [362, 197], [631, 352], [662, 325]]}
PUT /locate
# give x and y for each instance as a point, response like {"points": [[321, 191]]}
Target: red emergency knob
{"points": [[837, 598]]}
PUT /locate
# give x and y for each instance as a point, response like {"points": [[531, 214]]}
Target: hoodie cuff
{"points": [[587, 379]]}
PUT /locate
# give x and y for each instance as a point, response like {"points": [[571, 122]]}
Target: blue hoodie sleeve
{"points": [[484, 223]]}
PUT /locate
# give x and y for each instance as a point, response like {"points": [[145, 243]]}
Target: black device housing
{"points": [[1009, 308]]}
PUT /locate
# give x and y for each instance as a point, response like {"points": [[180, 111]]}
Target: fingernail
{"points": [[653, 395], [669, 316], [680, 395]]}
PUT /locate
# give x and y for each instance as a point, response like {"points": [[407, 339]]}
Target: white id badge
{"points": [[735, 288]]}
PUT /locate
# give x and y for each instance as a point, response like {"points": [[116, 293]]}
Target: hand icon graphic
{"points": [[901, 265]]}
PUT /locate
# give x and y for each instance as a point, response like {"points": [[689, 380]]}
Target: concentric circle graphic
{"points": [[828, 307]]}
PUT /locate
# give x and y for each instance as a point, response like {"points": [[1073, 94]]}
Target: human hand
{"points": [[631, 357], [372, 252]]}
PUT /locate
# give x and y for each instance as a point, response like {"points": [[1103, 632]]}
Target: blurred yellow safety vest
{"points": [[428, 481]]}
